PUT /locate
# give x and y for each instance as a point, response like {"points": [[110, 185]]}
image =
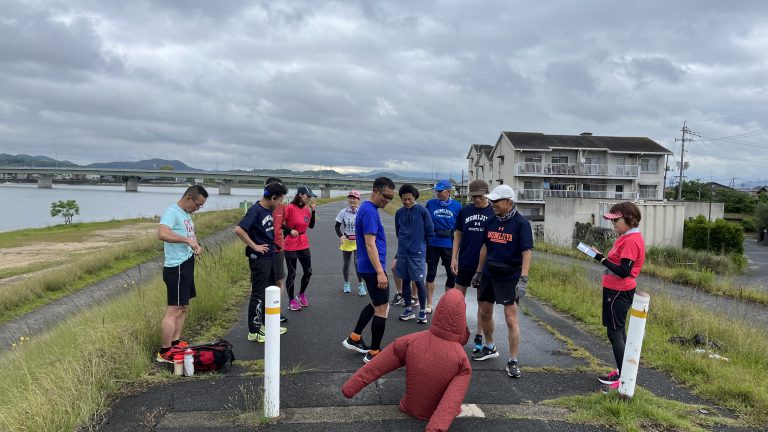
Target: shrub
{"points": [[749, 224], [601, 238], [724, 237]]}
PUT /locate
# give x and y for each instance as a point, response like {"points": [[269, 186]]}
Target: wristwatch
{"points": [[524, 278]]}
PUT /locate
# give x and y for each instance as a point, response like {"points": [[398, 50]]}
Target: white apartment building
{"points": [[571, 166]]}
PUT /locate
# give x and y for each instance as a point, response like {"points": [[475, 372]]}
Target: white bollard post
{"points": [[638, 315], [272, 353]]}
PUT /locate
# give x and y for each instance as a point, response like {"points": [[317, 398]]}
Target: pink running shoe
{"points": [[303, 300], [294, 305]]}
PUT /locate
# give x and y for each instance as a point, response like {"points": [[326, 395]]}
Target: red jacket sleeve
{"points": [[450, 404], [389, 359]]}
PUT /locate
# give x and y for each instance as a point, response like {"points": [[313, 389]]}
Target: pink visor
{"points": [[353, 193], [610, 216]]}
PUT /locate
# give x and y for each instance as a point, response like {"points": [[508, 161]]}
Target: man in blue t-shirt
{"points": [[502, 272], [371, 260], [257, 231], [467, 240], [180, 246], [443, 210]]}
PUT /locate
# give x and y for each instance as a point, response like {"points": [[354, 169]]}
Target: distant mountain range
{"points": [[149, 164], [23, 160]]}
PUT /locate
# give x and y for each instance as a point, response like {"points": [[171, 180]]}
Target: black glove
{"points": [[522, 285], [599, 257], [476, 279]]}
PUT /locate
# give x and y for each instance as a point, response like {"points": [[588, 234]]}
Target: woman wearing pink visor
{"points": [[623, 264]]}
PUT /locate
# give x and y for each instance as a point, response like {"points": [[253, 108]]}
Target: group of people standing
{"points": [[486, 244]]}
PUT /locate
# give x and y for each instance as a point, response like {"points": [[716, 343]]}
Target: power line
{"points": [[729, 116]]}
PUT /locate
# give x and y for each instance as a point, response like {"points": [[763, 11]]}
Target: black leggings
{"points": [[304, 257], [618, 338], [345, 268]]}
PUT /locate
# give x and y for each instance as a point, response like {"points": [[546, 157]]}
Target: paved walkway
{"points": [[757, 269], [311, 399]]}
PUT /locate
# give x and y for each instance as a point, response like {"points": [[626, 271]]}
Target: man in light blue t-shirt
{"points": [[180, 246]]}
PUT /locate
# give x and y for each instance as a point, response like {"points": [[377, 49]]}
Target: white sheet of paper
{"points": [[586, 249]]}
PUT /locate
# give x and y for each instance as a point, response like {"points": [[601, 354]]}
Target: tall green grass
{"points": [[668, 256], [35, 291], [698, 274], [63, 379], [739, 384]]}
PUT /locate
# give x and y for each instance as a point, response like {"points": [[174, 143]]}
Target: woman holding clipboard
{"points": [[623, 263]]}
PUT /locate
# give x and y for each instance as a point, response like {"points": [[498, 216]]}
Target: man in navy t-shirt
{"points": [[502, 272], [443, 210], [467, 240], [371, 260], [256, 230]]}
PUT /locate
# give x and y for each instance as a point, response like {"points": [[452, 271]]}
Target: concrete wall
{"points": [[661, 223], [696, 208]]}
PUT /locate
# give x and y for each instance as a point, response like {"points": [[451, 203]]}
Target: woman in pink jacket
{"points": [[431, 393]]}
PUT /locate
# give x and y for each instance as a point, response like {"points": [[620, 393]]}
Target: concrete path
{"points": [[757, 269], [310, 395]]}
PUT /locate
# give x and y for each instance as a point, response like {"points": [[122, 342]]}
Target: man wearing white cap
{"points": [[502, 272]]}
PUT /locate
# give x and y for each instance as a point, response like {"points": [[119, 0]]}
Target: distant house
{"points": [[480, 165], [717, 186], [572, 166], [759, 190]]}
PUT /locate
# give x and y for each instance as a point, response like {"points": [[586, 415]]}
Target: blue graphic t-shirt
{"points": [[471, 221], [444, 215], [259, 225], [180, 222], [368, 221], [506, 241]]}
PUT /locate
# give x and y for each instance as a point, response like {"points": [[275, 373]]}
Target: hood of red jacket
{"points": [[450, 318]]}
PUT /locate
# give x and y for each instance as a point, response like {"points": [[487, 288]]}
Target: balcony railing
{"points": [[539, 194], [564, 169]]}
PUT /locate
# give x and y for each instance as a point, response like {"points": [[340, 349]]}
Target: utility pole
{"points": [[685, 130]]}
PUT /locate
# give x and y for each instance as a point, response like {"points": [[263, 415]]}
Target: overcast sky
{"points": [[361, 85]]}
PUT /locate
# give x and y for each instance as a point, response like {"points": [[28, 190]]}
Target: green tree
{"points": [[66, 209], [735, 201], [761, 214]]}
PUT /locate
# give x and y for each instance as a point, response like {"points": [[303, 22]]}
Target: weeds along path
{"points": [[739, 310], [49, 315]]}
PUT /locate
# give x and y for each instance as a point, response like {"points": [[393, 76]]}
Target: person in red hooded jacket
{"points": [[431, 393]]}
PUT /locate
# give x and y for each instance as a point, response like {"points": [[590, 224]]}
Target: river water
{"points": [[27, 206]]}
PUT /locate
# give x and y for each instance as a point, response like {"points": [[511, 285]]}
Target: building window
{"points": [[533, 159], [647, 165], [559, 159], [647, 191]]}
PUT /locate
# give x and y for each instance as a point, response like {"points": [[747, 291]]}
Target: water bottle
{"points": [[178, 364], [189, 366]]}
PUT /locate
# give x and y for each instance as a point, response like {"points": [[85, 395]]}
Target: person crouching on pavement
{"points": [[431, 393]]}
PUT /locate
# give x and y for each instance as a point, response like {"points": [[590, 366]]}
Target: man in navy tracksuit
{"points": [[413, 226], [444, 211]]}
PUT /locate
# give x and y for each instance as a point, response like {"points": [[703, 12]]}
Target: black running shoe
{"points": [[368, 357], [398, 299], [283, 318], [478, 344], [358, 346], [611, 378], [513, 369], [485, 354]]}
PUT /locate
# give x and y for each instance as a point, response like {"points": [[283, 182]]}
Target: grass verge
{"points": [[643, 412], [73, 232], [568, 289], [35, 291], [67, 376], [704, 279]]}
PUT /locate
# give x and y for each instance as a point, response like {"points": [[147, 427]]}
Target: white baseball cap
{"points": [[502, 192]]}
